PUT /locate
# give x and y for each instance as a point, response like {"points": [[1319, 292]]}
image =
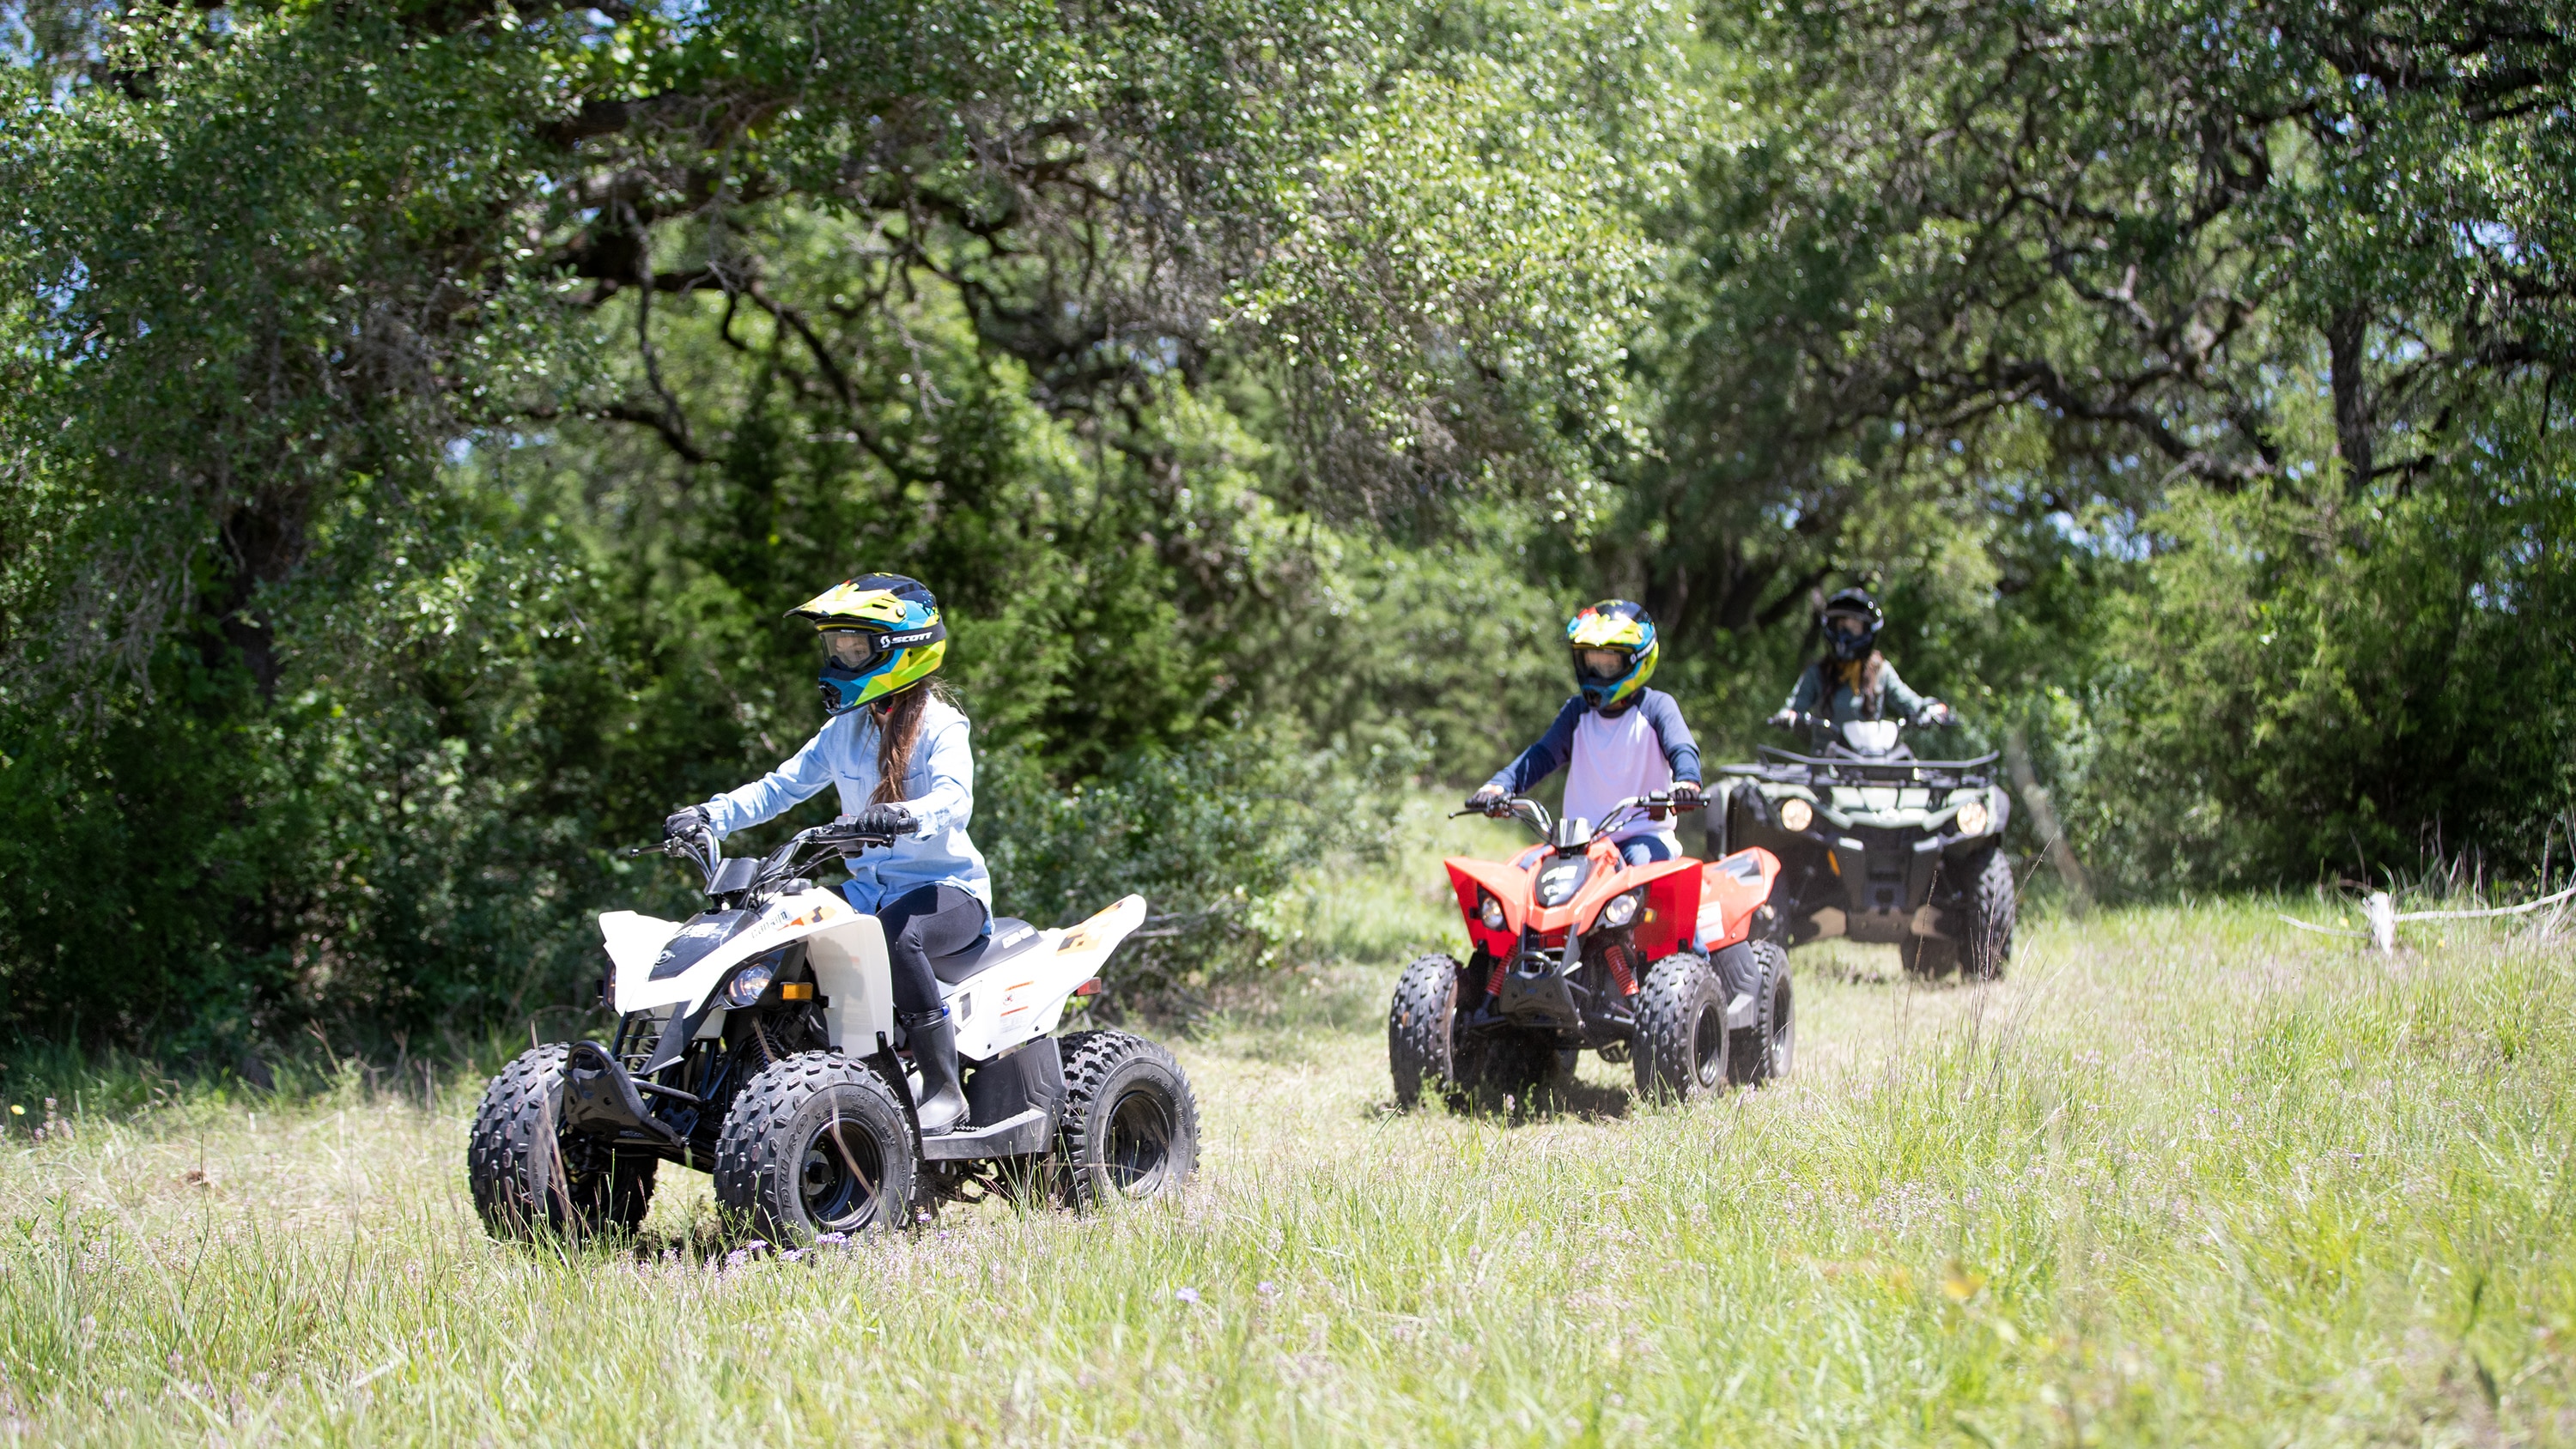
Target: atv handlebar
{"points": [[1933, 715], [698, 846], [1531, 813]]}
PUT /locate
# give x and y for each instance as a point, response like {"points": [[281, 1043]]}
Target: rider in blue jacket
{"points": [[899, 754]]}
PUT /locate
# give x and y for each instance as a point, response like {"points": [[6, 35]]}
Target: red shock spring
{"points": [[1617, 956], [1494, 983]]}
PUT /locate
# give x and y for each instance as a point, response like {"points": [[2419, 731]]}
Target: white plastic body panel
{"points": [[1024, 998], [996, 1009]]}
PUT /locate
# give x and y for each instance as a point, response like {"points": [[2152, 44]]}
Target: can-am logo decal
{"points": [[691, 933]]}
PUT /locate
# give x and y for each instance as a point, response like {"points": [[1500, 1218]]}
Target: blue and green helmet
{"points": [[1614, 652], [881, 635]]}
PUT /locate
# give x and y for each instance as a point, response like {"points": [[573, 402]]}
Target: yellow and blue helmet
{"points": [[1614, 652], [881, 634]]}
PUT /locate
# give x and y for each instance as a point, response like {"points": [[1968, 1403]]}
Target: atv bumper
{"points": [[601, 1099]]}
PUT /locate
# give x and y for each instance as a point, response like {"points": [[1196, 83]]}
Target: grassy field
{"points": [[2185, 1177]]}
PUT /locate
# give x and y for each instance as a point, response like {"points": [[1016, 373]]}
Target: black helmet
{"points": [[1851, 624]]}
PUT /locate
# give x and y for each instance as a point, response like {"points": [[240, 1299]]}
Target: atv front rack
{"points": [[1890, 771]]}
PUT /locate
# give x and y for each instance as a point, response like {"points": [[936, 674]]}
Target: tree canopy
{"points": [[413, 419]]}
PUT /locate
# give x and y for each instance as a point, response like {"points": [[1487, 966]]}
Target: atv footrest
{"points": [[1739, 1012], [1018, 1135]]}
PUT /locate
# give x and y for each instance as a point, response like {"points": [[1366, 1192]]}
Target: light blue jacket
{"points": [[940, 793]]}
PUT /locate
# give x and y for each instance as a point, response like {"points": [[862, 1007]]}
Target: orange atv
{"points": [[1654, 964]]}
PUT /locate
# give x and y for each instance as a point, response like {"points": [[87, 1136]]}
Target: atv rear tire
{"points": [[818, 1143], [1766, 1050], [528, 1176], [1681, 1040], [1422, 1035], [1991, 907], [1131, 1123]]}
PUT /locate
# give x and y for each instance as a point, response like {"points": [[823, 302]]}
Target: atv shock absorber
{"points": [[1494, 983], [1616, 958]]}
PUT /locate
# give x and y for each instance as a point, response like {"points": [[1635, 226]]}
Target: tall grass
{"points": [[2184, 1177]]}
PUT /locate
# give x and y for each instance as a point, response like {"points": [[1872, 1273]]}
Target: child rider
{"points": [[1616, 738], [898, 752]]}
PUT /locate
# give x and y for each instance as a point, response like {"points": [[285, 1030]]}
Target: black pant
{"points": [[931, 920]]}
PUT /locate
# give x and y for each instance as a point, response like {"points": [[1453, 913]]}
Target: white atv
{"points": [[758, 1040]]}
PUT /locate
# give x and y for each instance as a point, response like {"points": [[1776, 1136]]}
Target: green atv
{"points": [[1876, 845]]}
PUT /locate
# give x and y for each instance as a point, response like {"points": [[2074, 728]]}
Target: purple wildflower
{"points": [[1186, 1295]]}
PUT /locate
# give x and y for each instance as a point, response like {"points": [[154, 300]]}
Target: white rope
{"points": [[2498, 911], [2384, 917]]}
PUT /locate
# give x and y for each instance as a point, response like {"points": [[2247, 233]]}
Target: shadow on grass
{"points": [[1564, 1101]]}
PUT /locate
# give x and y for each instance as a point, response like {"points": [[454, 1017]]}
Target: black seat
{"points": [[1007, 939]]}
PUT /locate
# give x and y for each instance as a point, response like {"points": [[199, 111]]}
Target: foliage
{"points": [[1211, 838], [414, 418], [2002, 304]]}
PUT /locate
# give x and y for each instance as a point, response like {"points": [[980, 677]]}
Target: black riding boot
{"points": [[934, 1051]]}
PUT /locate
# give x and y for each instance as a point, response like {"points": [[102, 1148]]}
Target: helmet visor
{"points": [[852, 648], [1850, 626], [1600, 666]]}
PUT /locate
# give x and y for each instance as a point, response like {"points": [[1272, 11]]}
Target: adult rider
{"points": [[1615, 738], [899, 753], [1854, 681]]}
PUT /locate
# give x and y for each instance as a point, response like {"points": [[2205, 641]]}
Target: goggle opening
{"points": [[851, 648], [1602, 665]]}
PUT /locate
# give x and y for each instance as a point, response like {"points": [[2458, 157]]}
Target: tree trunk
{"points": [[2347, 337]]}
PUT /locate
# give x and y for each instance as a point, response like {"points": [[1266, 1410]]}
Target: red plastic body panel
{"points": [[1733, 889], [1675, 895]]}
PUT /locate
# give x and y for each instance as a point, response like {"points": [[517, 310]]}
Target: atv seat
{"points": [[1008, 940]]}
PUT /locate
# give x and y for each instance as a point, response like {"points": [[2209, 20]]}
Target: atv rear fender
{"points": [[1732, 896]]}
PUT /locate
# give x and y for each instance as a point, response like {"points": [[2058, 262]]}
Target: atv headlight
{"points": [[1796, 815], [1490, 911], [1974, 817], [749, 982], [1622, 909]]}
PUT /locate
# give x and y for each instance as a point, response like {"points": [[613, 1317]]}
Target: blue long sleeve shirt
{"points": [[939, 791], [1639, 751]]}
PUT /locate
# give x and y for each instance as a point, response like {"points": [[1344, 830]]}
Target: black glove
{"points": [[684, 822], [1686, 795], [891, 820], [1487, 798]]}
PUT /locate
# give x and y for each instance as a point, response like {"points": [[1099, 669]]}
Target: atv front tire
{"points": [[1422, 1037], [1130, 1127], [529, 1176], [1766, 1050], [818, 1143], [1927, 957], [1511, 1067], [1681, 1040], [1991, 906]]}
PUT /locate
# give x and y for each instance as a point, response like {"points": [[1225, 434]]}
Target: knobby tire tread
{"points": [[514, 1159], [759, 1164], [1420, 1047], [1092, 1060], [1668, 1006]]}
